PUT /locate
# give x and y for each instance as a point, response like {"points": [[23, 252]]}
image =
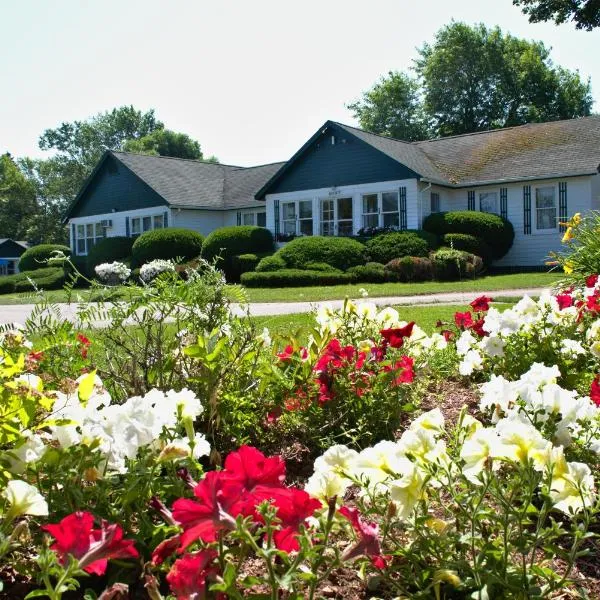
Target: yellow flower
{"points": [[568, 235], [568, 267], [576, 219]]}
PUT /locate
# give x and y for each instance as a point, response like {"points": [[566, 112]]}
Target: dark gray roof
{"points": [[19, 242], [196, 184]]}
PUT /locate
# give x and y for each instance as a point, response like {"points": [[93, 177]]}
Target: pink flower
{"points": [[368, 538], [188, 575]]}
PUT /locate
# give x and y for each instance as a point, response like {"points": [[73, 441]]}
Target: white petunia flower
{"points": [[24, 499]]}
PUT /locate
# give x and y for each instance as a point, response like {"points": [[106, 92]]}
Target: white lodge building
{"points": [[344, 180]]}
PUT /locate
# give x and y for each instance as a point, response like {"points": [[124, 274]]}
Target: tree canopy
{"points": [[584, 13], [17, 200], [164, 142], [473, 79]]}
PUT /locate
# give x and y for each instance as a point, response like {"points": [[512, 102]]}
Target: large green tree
{"points": [[472, 79], [164, 142], [17, 200], [584, 13]]}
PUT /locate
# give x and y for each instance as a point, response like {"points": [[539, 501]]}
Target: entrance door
{"points": [[336, 216]]}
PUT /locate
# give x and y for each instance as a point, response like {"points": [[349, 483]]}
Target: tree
{"points": [[164, 142], [584, 13], [17, 200], [392, 107]]}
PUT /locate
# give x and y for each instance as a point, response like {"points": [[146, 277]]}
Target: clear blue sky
{"points": [[251, 80]]}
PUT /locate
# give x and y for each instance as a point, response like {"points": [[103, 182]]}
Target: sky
{"points": [[250, 80]]}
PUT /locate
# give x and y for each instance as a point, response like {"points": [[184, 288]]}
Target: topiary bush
{"points": [[167, 244], [495, 231], [226, 242], [109, 250], [367, 273], [450, 265], [48, 278], [409, 269], [270, 263], [341, 253], [469, 243], [7, 284], [293, 278], [432, 239], [37, 257], [321, 266], [384, 248]]}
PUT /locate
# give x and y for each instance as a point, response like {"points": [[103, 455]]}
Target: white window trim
{"points": [[85, 238], [297, 220], [380, 212], [335, 220], [140, 218], [497, 194], [534, 209]]}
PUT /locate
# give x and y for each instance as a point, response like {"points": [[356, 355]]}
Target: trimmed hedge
{"points": [[48, 278], [451, 265], [409, 269], [341, 253], [36, 257], [227, 242], [168, 243], [321, 266], [109, 250], [270, 263], [497, 232], [367, 273], [469, 243], [244, 263], [432, 239], [388, 246], [293, 278]]}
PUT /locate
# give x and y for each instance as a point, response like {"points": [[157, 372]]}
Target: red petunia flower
{"points": [[403, 370], [395, 337], [93, 548], [595, 391], [591, 281], [448, 335], [249, 467], [481, 304], [564, 301], [477, 327], [368, 539], [463, 320], [83, 340], [592, 303], [335, 356], [287, 354], [189, 574], [165, 549]]}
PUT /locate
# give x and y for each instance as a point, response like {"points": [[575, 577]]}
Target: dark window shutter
{"points": [[126, 226], [527, 209], [73, 239], [504, 203], [471, 200], [563, 213], [276, 215], [403, 219], [166, 219]]}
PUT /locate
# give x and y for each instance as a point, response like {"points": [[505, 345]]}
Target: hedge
{"points": [[168, 243], [226, 242], [388, 246], [270, 263], [409, 268], [293, 278], [451, 265], [108, 250], [320, 266], [469, 243], [245, 263], [341, 253], [48, 278], [367, 273], [37, 257], [494, 230]]}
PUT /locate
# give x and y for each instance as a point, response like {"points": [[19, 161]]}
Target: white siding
{"points": [[202, 221]]}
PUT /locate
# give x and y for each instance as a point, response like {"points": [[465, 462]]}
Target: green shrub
{"points": [[341, 253], [246, 262], [367, 274], [497, 232], [109, 250], [167, 244], [37, 256], [7, 284], [293, 278], [320, 266], [388, 246], [227, 242], [432, 239], [49, 278], [469, 243], [409, 269], [450, 265], [270, 263]]}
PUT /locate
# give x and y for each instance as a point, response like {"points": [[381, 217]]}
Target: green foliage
{"points": [[17, 201], [293, 278], [367, 273], [497, 232], [468, 243], [37, 257], [387, 246], [226, 242], [164, 142], [341, 253], [45, 278], [409, 269], [109, 250], [584, 13], [271, 263], [248, 262], [168, 243], [450, 265], [321, 266], [433, 241]]}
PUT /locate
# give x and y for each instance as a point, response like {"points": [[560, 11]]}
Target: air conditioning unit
{"points": [[107, 223]]}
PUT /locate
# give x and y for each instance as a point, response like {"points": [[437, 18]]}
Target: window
{"points": [[389, 209], [327, 217], [261, 219], [336, 216], [87, 236], [296, 218], [305, 217], [158, 221], [370, 211], [381, 210], [344, 216], [545, 208], [248, 219], [148, 223], [435, 202], [289, 218], [488, 202]]}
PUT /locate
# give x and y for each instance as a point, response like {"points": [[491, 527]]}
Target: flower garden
{"points": [[177, 452]]}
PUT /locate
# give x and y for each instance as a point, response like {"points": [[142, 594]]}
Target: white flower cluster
{"points": [[535, 398], [115, 270], [361, 322], [120, 430], [154, 268], [402, 470]]}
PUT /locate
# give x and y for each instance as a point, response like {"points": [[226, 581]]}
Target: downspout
{"points": [[420, 212]]}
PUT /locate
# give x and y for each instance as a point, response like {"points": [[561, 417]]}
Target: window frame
{"points": [[297, 224], [496, 210], [380, 213], [87, 236], [434, 202], [545, 230]]}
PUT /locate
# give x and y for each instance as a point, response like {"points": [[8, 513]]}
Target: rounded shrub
{"points": [[226, 242], [451, 265], [388, 246], [37, 257], [367, 273], [494, 230], [468, 243], [7, 284], [167, 244], [109, 250], [48, 278], [321, 266], [293, 278], [409, 269], [432, 239], [246, 262], [270, 263], [341, 253]]}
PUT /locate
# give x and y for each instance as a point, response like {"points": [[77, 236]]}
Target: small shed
{"points": [[10, 253]]}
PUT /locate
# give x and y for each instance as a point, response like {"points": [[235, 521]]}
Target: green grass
{"points": [[83, 295], [338, 292]]}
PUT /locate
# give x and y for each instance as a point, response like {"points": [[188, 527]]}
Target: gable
{"points": [[345, 161], [10, 249], [114, 188]]}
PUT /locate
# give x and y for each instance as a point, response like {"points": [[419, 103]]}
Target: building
{"points": [[344, 179], [10, 253]]}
